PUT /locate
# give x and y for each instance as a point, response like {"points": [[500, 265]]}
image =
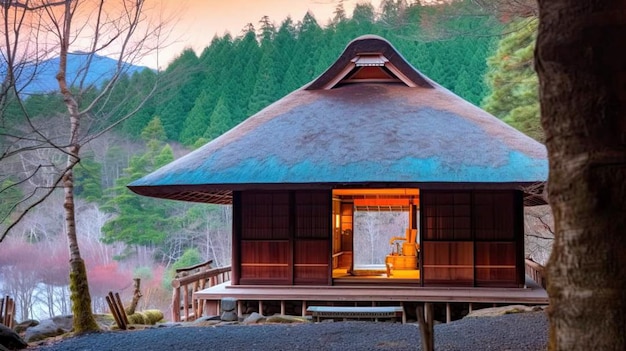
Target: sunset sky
{"points": [[197, 21]]}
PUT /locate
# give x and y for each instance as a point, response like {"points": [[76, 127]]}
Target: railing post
{"points": [[190, 283], [535, 271], [186, 302], [176, 304]]}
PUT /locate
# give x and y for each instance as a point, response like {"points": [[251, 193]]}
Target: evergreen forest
{"points": [[484, 59]]}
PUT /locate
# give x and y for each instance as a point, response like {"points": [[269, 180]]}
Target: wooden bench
{"points": [[345, 312]]}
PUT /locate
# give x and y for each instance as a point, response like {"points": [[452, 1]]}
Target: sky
{"points": [[196, 22]]}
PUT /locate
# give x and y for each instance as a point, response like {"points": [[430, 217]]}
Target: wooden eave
{"points": [[222, 194]]}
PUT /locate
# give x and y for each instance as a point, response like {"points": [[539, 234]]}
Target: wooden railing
{"points": [[189, 280], [536, 272], [7, 311]]}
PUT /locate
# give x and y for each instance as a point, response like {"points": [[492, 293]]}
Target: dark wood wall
{"points": [[472, 238], [468, 238], [282, 237]]}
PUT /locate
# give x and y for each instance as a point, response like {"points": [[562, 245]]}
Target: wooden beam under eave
{"points": [[377, 191], [381, 202]]}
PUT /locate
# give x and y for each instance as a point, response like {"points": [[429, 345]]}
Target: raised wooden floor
{"points": [[532, 294]]}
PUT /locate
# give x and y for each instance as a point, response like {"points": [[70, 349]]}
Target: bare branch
{"points": [[539, 236], [22, 214], [25, 5]]}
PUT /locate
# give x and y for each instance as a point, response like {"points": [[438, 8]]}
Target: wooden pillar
{"points": [[471, 307], [374, 305], [411, 215], [261, 307], [448, 313], [239, 308], [425, 318], [403, 313], [282, 307], [303, 308], [236, 238]]}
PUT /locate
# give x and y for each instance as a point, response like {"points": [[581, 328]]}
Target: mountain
{"points": [[43, 75]]}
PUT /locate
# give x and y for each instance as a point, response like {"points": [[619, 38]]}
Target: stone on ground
{"points": [[10, 340], [499, 311], [279, 318], [254, 318]]}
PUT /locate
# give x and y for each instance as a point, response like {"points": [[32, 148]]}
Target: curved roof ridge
{"points": [[367, 45]]}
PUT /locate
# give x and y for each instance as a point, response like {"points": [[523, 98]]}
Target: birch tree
{"points": [[34, 30]]}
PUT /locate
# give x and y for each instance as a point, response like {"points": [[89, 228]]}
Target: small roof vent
{"points": [[370, 60]]}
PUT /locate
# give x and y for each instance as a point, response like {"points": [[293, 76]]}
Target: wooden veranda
{"points": [[372, 295], [295, 299]]}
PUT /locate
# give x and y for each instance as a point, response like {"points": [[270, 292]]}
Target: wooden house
{"points": [[371, 133]]}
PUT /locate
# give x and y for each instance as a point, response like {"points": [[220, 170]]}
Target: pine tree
{"points": [[266, 84], [513, 81], [393, 13], [363, 17], [220, 120], [140, 220], [198, 119], [284, 44], [243, 79], [185, 76], [88, 176], [143, 82], [306, 53]]}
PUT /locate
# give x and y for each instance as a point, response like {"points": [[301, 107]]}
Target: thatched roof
{"points": [[371, 118]]}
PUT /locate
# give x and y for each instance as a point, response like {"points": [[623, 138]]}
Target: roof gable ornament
{"points": [[369, 59]]}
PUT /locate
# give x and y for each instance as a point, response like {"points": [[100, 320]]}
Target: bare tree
{"points": [[36, 29], [579, 58], [18, 270]]}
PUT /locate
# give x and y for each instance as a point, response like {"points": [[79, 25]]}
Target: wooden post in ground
{"points": [[7, 311], [120, 307], [425, 317], [117, 310]]}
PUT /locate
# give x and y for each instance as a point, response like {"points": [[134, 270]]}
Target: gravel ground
{"points": [[521, 331]]}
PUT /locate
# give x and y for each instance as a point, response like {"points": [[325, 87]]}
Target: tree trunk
{"points": [[580, 59], [136, 296], [79, 286]]}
